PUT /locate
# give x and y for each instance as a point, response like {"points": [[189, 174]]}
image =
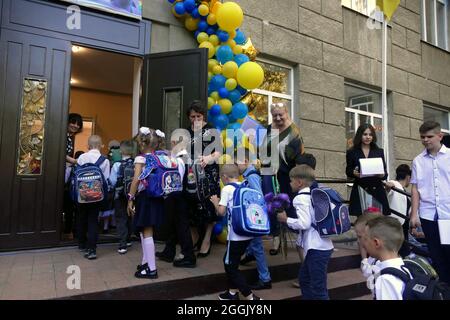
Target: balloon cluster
{"points": [[231, 73], [220, 230], [277, 203]]}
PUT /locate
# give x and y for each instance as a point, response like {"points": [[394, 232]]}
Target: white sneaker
{"points": [[122, 250]]}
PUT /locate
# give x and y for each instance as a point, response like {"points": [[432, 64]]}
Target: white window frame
{"points": [[447, 131], [434, 41], [271, 94], [371, 12]]}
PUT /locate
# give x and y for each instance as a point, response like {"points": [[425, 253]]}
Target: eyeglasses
{"points": [[277, 105]]}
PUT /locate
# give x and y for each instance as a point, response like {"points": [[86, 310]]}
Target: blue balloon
{"points": [[202, 26], [215, 110], [234, 126], [223, 35], [221, 121], [224, 93], [217, 82], [179, 8], [231, 119], [218, 227], [234, 96], [239, 110], [196, 33], [195, 13], [211, 30], [241, 59], [171, 1], [189, 5], [224, 54], [241, 90], [240, 37]]}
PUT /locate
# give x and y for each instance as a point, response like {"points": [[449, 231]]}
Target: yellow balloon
{"points": [[202, 37], [214, 39], [225, 105], [250, 75], [231, 84], [237, 49], [231, 43], [211, 19], [210, 75], [232, 34], [217, 69], [215, 95], [223, 134], [210, 47], [222, 237], [226, 159], [230, 69], [191, 23], [216, 7], [229, 16], [211, 102], [212, 63], [203, 9], [228, 143], [240, 120]]}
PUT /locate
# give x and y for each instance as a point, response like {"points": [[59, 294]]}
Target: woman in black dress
{"points": [[203, 213], [365, 146], [290, 153]]}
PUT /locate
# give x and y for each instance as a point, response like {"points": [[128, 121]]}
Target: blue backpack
{"points": [[88, 184], [249, 212], [331, 214], [160, 175]]}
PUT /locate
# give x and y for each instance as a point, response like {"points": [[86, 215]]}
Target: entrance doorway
{"points": [[101, 91]]}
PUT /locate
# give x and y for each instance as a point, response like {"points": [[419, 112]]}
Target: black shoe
{"points": [[247, 259], [274, 252], [228, 296], [122, 250], [185, 263], [261, 285], [105, 231], [255, 297], [204, 255], [146, 273], [82, 248], [164, 257], [91, 254]]}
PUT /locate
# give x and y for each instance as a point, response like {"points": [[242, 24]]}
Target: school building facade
{"points": [[324, 54]]}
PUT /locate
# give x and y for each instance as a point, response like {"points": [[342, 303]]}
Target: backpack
{"points": [[249, 215], [331, 214], [419, 265], [197, 182], [88, 183], [125, 177], [420, 286], [160, 175]]}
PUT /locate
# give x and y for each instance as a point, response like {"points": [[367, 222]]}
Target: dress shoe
{"points": [[247, 259], [261, 285], [166, 258], [185, 263], [204, 255]]}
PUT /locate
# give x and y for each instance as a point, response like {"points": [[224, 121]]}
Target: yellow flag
{"points": [[388, 7]]}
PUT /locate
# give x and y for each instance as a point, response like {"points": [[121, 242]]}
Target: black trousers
{"points": [[236, 280], [124, 223], [177, 214], [88, 224], [69, 212], [440, 254]]}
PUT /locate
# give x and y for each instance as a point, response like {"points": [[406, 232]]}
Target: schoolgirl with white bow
{"points": [[148, 212]]}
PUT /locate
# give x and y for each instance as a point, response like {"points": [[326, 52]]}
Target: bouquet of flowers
{"points": [[275, 204]]}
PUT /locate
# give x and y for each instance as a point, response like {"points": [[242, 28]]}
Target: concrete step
{"points": [[342, 285]]}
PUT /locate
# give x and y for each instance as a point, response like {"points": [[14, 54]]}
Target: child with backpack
{"points": [[317, 249], [255, 250], [236, 244], [122, 174], [89, 190], [155, 176]]}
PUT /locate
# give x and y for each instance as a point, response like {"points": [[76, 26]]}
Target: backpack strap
{"points": [[251, 172], [100, 160], [402, 275]]}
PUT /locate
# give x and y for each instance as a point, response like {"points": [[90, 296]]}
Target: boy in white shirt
{"points": [[88, 221], [317, 250], [382, 239], [236, 244]]}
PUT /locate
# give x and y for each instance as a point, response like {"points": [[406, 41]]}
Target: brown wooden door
{"points": [[31, 205], [170, 82]]}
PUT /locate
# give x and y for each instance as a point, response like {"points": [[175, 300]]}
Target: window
{"points": [[362, 106], [277, 87], [438, 115], [366, 7], [435, 22]]}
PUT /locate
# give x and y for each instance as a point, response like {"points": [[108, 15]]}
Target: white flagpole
{"points": [[384, 94]]}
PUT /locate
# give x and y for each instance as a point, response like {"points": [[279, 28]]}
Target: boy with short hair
{"points": [[117, 180], [236, 244], [89, 212], [382, 239], [317, 250], [431, 194], [255, 251]]}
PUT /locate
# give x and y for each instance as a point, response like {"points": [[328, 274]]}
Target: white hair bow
{"points": [[160, 134], [144, 131]]}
